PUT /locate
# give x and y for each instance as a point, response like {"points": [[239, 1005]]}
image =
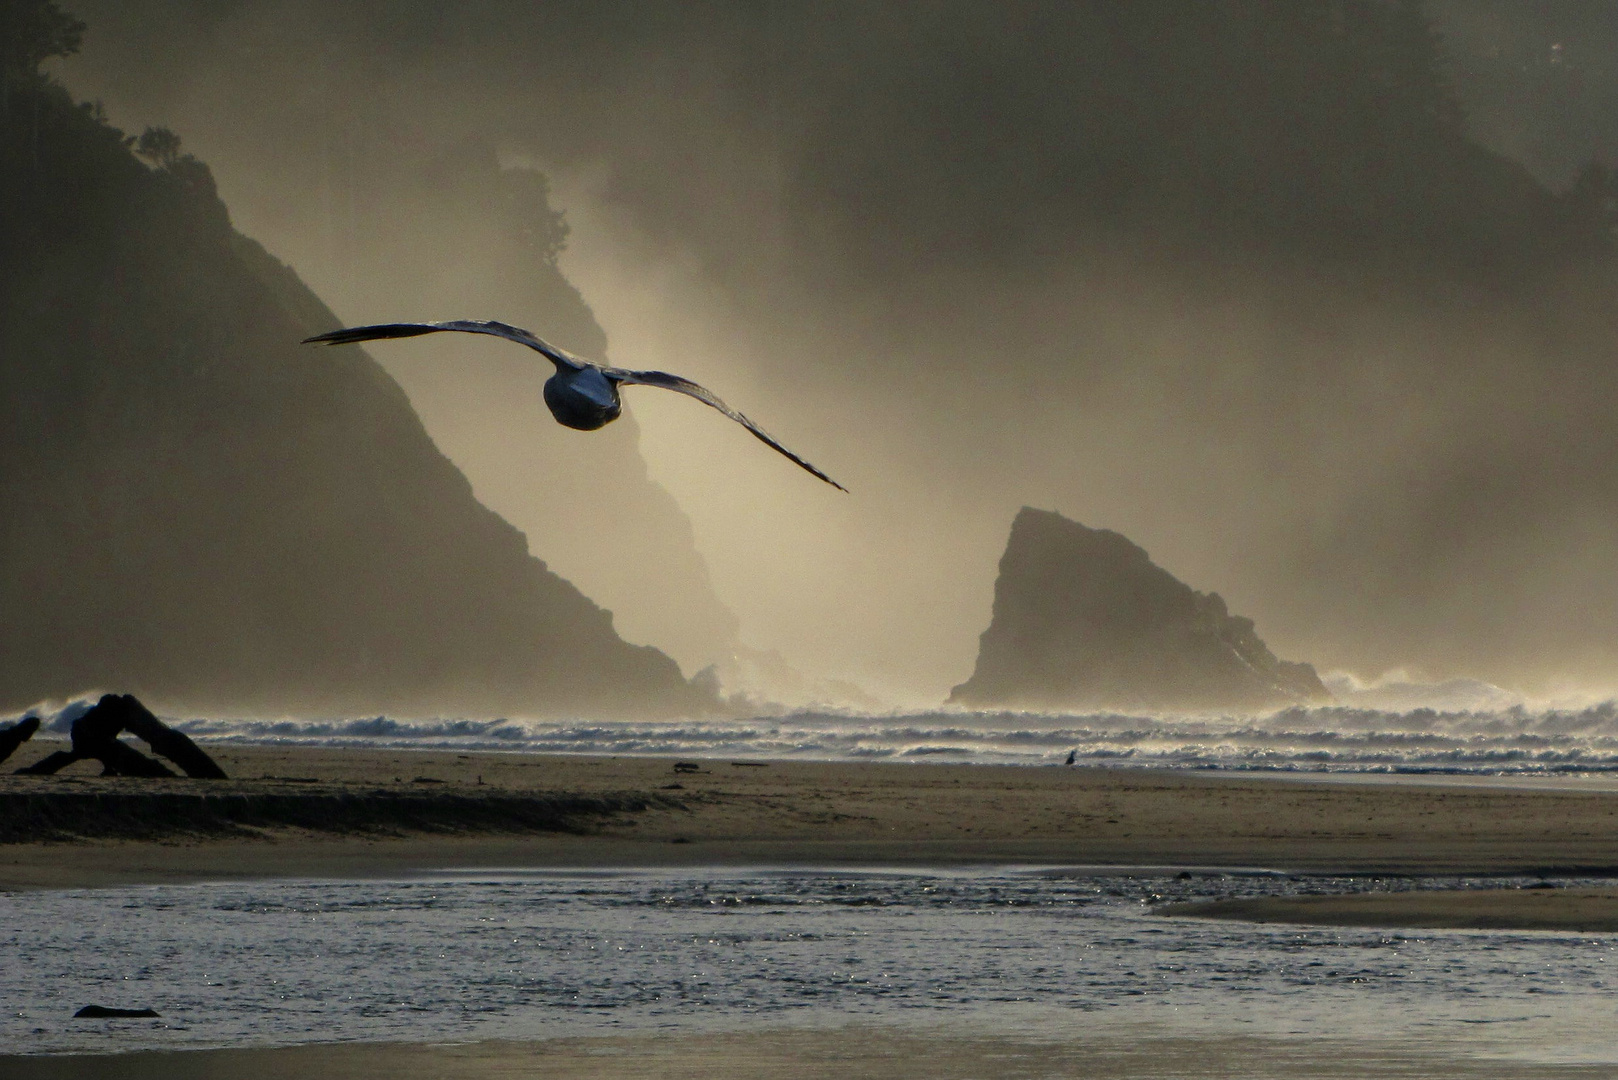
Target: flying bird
{"points": [[581, 395]]}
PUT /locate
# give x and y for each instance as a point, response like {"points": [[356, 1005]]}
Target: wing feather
{"points": [[468, 326], [711, 399], [563, 358]]}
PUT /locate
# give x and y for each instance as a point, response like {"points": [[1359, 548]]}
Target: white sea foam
{"points": [[1515, 739]]}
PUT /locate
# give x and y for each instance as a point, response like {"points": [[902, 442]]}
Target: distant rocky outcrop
{"points": [[761, 681], [1083, 619], [202, 511]]}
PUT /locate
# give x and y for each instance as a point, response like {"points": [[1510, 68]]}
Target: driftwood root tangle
{"points": [[95, 735], [17, 734]]}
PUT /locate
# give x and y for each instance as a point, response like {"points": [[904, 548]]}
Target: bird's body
{"points": [[583, 400], [580, 395]]}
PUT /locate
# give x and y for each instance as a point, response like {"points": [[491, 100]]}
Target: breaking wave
{"points": [[1340, 738]]}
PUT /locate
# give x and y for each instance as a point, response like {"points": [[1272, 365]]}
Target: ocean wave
{"points": [[1515, 739]]}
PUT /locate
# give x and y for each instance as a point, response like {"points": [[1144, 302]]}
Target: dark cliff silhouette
{"points": [[1537, 80], [1083, 619], [200, 510]]}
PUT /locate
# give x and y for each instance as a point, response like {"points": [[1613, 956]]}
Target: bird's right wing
{"points": [[708, 397], [561, 357]]}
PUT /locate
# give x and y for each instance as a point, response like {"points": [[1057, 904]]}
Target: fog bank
{"points": [[1231, 280]]}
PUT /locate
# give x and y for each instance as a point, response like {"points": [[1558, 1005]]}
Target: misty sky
{"points": [[854, 222]]}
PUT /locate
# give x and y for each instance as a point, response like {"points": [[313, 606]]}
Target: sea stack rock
{"points": [[1083, 619]]}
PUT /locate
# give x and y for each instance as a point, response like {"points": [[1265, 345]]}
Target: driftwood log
{"points": [[95, 736], [17, 734]]}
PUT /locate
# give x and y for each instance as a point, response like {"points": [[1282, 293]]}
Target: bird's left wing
{"points": [[708, 397], [467, 326]]}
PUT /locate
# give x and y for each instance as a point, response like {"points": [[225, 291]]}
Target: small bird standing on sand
{"points": [[581, 395]]}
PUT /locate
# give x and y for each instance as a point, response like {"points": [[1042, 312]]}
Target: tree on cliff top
{"points": [[33, 31], [160, 146]]}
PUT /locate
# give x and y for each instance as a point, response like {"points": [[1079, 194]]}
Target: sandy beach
{"points": [[1581, 910], [834, 1054], [635, 811]]}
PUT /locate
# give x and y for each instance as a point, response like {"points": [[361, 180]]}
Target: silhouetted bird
{"points": [[1072, 756], [581, 395]]}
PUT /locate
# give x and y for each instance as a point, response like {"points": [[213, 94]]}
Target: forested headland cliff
{"points": [[196, 509]]}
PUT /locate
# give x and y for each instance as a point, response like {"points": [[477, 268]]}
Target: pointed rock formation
{"points": [[1083, 619]]}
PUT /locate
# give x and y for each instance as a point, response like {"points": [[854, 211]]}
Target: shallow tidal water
{"points": [[1039, 954]]}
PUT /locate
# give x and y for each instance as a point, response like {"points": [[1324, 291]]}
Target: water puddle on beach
{"points": [[1035, 954]]}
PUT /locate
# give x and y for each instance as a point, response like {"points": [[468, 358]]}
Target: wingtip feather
{"points": [[335, 337]]}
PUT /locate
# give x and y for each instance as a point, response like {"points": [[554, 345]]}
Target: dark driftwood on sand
{"points": [[17, 734], [135, 813], [95, 735]]}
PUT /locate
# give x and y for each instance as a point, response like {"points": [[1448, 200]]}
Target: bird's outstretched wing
{"points": [[708, 397], [468, 326]]}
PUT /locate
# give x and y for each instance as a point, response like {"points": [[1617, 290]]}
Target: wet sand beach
{"points": [[371, 812], [850, 1053], [1582, 910]]}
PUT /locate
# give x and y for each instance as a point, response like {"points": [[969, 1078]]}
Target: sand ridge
{"points": [[1583, 910]]}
